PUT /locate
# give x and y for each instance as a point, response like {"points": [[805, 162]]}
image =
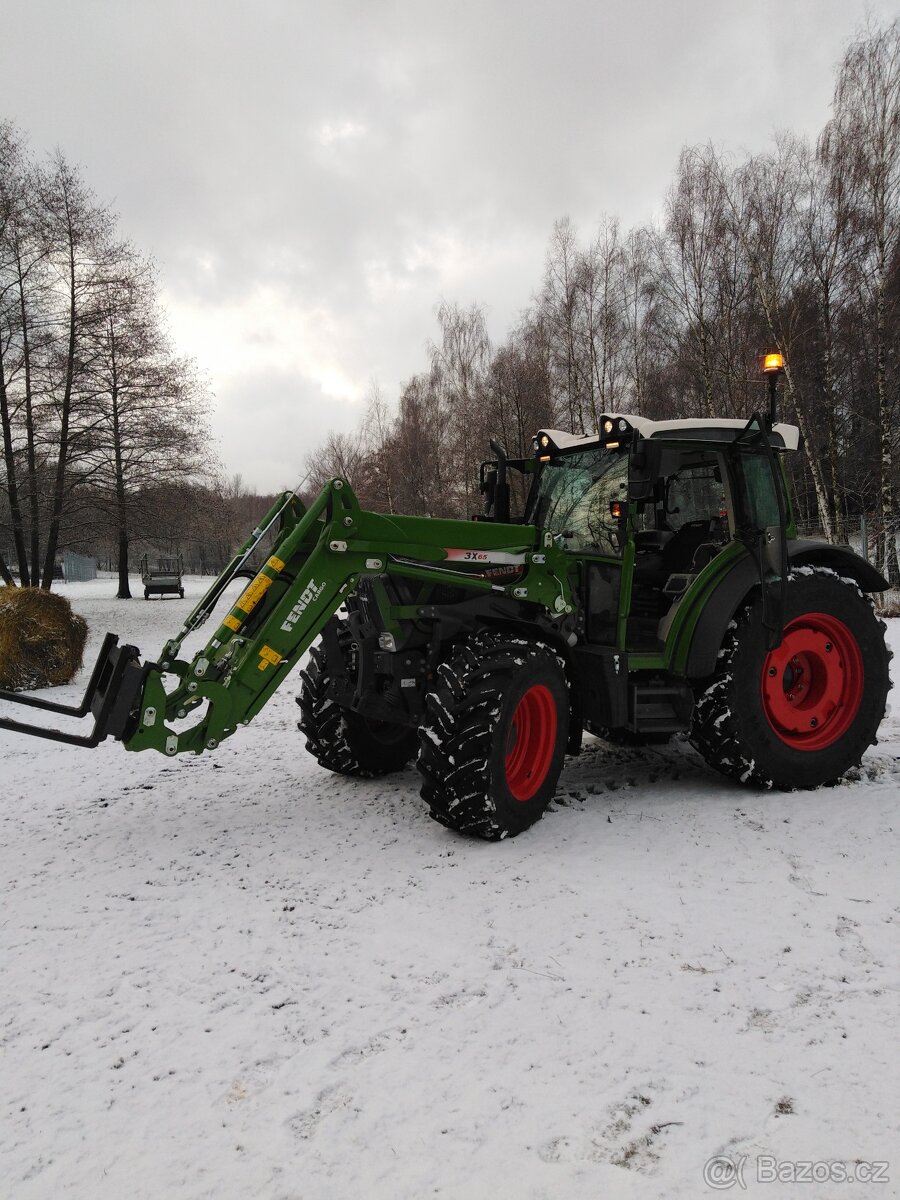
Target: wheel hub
{"points": [[812, 684], [530, 742]]}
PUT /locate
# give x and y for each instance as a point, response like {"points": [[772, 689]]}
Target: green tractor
{"points": [[653, 585]]}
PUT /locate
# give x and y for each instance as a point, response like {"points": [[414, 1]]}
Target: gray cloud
{"points": [[313, 178]]}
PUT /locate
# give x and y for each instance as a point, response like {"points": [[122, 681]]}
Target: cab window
{"points": [[694, 494], [574, 496], [758, 488]]}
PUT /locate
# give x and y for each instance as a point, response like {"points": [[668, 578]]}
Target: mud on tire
{"points": [[804, 714], [494, 735], [339, 739]]}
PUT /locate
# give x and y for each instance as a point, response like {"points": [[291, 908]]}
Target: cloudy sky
{"points": [[313, 178]]}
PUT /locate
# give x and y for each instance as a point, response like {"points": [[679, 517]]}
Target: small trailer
{"points": [[163, 580]]}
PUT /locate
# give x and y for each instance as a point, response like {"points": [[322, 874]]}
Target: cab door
{"points": [[761, 515], [578, 497]]}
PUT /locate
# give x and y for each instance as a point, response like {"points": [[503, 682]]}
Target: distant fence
{"points": [[72, 568], [856, 531], [77, 568]]}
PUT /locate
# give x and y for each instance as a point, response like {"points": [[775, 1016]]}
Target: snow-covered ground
{"points": [[240, 976]]}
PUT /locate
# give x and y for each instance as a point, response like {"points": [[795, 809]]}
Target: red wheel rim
{"points": [[530, 742], [812, 685]]}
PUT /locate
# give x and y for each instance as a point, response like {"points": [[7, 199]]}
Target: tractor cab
{"points": [[647, 506]]}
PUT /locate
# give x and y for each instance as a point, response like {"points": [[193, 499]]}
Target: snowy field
{"points": [[240, 976]]}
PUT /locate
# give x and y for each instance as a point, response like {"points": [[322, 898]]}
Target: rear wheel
{"points": [[803, 714], [341, 740], [494, 735]]}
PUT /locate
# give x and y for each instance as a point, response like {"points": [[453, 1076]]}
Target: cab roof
{"points": [[688, 429]]}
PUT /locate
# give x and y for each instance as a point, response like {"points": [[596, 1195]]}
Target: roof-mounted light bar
{"points": [[543, 446], [615, 431]]}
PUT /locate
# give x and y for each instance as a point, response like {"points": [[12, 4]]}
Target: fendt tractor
{"points": [[653, 585]]}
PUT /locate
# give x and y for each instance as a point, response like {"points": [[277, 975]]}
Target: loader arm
{"points": [[319, 556]]}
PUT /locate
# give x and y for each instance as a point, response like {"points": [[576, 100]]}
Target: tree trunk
{"points": [[887, 552], [31, 454], [835, 504], [124, 592], [12, 489], [707, 373], [815, 466], [5, 574], [62, 461]]}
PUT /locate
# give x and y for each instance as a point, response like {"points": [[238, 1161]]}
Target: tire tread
{"points": [[716, 729], [456, 738]]}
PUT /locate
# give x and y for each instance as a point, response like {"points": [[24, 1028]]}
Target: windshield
{"points": [[573, 498]]}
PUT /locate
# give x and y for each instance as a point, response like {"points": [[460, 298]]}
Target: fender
{"points": [[839, 558], [732, 591]]}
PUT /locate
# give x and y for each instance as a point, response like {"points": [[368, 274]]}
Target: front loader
{"points": [[654, 585]]}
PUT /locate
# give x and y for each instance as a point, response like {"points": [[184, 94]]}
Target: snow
{"points": [[237, 975]]}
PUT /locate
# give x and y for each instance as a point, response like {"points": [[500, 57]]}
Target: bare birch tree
{"points": [[145, 407], [866, 128], [687, 262], [458, 363]]}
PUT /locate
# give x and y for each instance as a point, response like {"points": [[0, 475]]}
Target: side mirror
{"points": [[489, 488], [500, 487]]}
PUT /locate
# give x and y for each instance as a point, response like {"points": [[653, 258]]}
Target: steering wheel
{"points": [[701, 524]]}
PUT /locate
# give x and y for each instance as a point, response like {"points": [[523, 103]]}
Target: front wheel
{"points": [[494, 735], [341, 740], [803, 714]]}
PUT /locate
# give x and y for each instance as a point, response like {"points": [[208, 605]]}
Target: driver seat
{"points": [[678, 553], [675, 556]]}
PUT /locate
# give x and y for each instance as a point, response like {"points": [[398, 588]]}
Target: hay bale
{"points": [[41, 639]]}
